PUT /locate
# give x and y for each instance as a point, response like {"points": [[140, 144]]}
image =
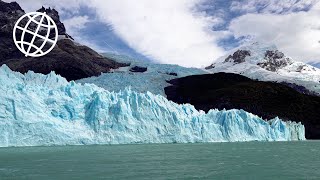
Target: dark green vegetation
{"points": [[265, 99], [255, 160], [70, 60]]}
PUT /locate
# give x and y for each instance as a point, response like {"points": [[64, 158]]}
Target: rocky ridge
{"points": [[69, 59]]}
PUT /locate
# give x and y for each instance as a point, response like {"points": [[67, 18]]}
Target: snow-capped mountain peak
{"points": [[267, 63], [267, 57], [275, 60]]}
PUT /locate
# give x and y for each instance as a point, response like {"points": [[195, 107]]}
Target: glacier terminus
{"points": [[37, 110]]}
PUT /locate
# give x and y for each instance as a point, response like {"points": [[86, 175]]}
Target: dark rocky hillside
{"points": [[69, 59], [265, 99]]}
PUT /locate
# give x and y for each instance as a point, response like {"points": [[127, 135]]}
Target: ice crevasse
{"points": [[37, 110]]}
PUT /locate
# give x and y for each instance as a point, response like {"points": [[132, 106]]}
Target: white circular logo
{"points": [[35, 34]]}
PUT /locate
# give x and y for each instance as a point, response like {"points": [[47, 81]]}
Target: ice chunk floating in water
{"points": [[38, 110]]}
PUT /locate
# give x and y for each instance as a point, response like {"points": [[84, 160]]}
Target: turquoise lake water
{"points": [[253, 160]]}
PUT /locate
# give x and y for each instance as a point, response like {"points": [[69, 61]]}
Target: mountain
{"points": [[69, 59], [54, 14], [232, 91], [42, 110], [267, 63]]}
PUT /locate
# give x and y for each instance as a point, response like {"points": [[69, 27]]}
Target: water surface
{"points": [[254, 160]]}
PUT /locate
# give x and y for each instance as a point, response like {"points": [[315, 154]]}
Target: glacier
{"points": [[46, 110], [158, 74]]}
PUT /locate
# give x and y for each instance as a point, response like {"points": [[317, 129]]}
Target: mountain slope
{"points": [[47, 110], [265, 99], [267, 63], [69, 59]]}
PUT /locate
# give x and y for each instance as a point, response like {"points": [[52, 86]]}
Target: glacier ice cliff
{"points": [[38, 110]]}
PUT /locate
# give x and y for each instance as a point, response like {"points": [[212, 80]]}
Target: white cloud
{"points": [[297, 34], [171, 31], [271, 6], [75, 24], [168, 31]]}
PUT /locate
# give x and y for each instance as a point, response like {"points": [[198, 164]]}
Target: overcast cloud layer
{"points": [[176, 32]]}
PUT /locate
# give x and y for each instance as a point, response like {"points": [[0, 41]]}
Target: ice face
{"points": [[38, 110]]}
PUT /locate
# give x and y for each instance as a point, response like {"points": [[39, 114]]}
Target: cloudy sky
{"points": [[190, 32]]}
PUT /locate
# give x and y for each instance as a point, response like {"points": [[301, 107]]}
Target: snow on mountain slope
{"points": [[56, 112], [154, 79], [267, 63]]}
